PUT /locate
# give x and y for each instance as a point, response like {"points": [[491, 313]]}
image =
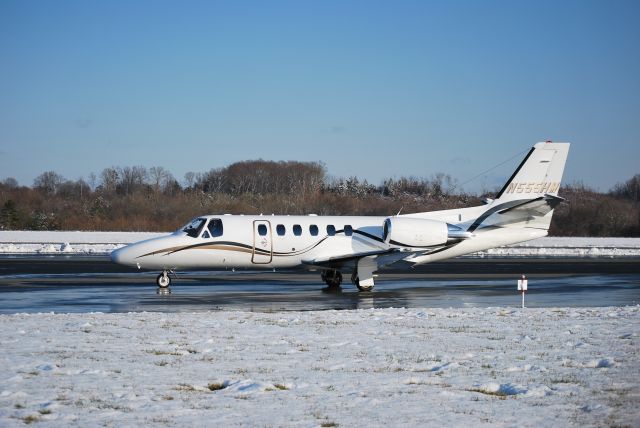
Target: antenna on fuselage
{"points": [[401, 208]]}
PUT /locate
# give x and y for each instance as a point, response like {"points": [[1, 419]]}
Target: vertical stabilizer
{"points": [[528, 198], [539, 174]]}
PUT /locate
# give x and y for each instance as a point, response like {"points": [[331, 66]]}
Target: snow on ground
{"points": [[569, 247], [377, 367], [68, 242], [102, 243]]}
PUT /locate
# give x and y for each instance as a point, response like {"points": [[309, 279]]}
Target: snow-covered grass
{"points": [[569, 247], [68, 242], [378, 367], [102, 243]]}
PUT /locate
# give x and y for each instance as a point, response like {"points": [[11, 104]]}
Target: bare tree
{"points": [[109, 179], [630, 189], [132, 178], [48, 182], [10, 183], [159, 177], [190, 179]]}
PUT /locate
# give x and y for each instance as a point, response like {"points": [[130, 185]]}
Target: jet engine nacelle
{"points": [[420, 232]]}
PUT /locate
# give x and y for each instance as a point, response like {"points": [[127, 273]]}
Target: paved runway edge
{"points": [[80, 264]]}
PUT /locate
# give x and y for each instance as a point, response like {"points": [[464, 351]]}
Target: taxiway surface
{"points": [[94, 284]]}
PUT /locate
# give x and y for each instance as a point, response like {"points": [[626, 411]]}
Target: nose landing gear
{"points": [[164, 281]]}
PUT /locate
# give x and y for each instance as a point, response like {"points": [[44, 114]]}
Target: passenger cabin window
{"points": [[194, 228], [348, 230], [262, 230], [297, 230], [313, 230], [280, 229], [215, 227], [331, 230]]}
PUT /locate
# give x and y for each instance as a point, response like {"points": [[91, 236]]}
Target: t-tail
{"points": [[528, 198]]}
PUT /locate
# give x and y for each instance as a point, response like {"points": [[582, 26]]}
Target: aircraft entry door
{"points": [[262, 242]]}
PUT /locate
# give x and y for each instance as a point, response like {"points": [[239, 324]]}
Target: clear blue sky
{"points": [[372, 88]]}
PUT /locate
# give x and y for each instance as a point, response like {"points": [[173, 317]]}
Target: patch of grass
{"points": [[498, 394], [161, 363], [329, 424], [158, 352], [217, 386], [280, 386], [486, 366], [566, 379], [167, 397], [31, 419], [44, 411], [185, 387], [496, 338], [18, 406]]}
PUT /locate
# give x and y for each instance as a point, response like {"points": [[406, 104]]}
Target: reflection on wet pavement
{"points": [[283, 292]]}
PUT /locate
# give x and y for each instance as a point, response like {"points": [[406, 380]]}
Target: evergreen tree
{"points": [[9, 218]]}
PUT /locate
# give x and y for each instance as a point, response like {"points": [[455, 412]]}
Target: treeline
{"points": [[152, 199]]}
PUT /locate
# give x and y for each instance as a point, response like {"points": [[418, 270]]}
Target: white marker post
{"points": [[522, 286]]}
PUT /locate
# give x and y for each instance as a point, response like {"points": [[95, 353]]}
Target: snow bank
{"points": [[569, 247], [101, 243], [72, 242], [377, 367]]}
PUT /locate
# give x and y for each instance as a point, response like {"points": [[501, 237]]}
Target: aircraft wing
{"points": [[350, 261]]}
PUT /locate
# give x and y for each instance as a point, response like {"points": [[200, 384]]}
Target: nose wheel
{"points": [[164, 281]]}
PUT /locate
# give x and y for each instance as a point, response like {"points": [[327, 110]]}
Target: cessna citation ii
{"points": [[361, 245]]}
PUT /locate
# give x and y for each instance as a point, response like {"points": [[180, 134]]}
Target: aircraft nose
{"points": [[120, 256]]}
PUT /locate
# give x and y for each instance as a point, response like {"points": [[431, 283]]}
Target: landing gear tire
{"points": [[164, 281], [362, 287], [332, 278], [355, 279]]}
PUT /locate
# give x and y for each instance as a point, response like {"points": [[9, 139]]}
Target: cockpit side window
{"points": [[194, 228], [215, 227]]}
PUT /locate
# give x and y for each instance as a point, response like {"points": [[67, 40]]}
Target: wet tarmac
{"points": [[93, 284]]}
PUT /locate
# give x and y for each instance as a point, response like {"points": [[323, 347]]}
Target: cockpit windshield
{"points": [[194, 228]]}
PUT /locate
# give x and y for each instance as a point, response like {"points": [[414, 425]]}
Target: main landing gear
{"points": [[361, 285], [333, 279], [164, 281]]}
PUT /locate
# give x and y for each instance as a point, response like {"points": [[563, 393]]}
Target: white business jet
{"points": [[360, 245]]}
